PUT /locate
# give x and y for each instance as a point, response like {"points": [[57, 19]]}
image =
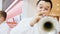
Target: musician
{"points": [[27, 26]]}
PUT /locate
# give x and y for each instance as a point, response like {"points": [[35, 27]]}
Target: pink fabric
{"points": [[16, 10]]}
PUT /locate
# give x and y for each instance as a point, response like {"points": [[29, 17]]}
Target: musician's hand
{"points": [[37, 18]]}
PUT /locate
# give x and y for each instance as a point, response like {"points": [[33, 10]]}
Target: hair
{"points": [[3, 14], [45, 1]]}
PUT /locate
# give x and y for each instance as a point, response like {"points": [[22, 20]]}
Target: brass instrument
{"points": [[48, 25]]}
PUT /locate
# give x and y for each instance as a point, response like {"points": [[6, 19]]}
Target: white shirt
{"points": [[24, 28], [4, 28]]}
